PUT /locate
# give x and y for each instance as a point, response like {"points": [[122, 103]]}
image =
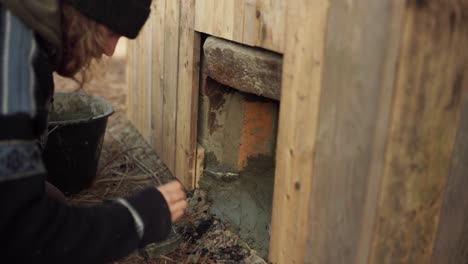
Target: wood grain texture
{"points": [[130, 72], [157, 90], [271, 27], [171, 78], [354, 108], [146, 54], [452, 240], [139, 82], [372, 132], [163, 80], [302, 77], [187, 96], [220, 18], [451, 244], [132, 94], [426, 110], [380, 138], [252, 22]]}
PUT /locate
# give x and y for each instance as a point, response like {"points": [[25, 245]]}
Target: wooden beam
{"points": [[258, 23], [452, 238], [187, 95], [422, 134], [302, 77], [380, 136], [138, 104], [171, 78], [270, 26], [130, 80], [355, 107], [158, 15]]}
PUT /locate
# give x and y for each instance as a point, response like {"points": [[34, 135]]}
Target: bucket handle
{"points": [[52, 130]]}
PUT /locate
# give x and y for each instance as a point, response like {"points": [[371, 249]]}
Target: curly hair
{"points": [[82, 43]]}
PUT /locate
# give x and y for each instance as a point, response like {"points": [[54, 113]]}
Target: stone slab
{"points": [[244, 68]]}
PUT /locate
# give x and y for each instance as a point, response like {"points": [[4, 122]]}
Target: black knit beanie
{"points": [[125, 17]]}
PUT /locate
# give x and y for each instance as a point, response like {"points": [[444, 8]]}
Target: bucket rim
{"points": [[106, 114]]}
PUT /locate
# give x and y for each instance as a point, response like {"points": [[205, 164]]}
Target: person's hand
{"points": [[174, 194]]}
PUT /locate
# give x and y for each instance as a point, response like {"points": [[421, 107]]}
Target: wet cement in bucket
{"points": [[77, 107]]}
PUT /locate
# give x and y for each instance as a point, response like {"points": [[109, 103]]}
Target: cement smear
{"points": [[245, 201], [220, 123]]}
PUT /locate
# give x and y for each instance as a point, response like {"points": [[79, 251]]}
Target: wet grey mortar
{"points": [[245, 201], [77, 106]]}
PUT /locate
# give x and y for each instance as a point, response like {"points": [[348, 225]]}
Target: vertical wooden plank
{"points": [[270, 25], [171, 66], [130, 79], [426, 110], [149, 89], [202, 22], [389, 63], [251, 22], [452, 239], [139, 86], [187, 96], [225, 15], [219, 20], [145, 80], [130, 74], [302, 77], [159, 9], [238, 14], [139, 90], [353, 101]]}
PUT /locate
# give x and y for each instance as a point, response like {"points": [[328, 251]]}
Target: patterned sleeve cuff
{"points": [[19, 159]]}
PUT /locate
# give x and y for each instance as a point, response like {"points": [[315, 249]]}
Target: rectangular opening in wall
{"points": [[237, 127]]}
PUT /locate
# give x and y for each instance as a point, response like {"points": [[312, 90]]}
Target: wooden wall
{"points": [[163, 85], [372, 140], [164, 67], [372, 145], [252, 22]]}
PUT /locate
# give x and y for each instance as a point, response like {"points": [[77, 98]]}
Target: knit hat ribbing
{"points": [[125, 17]]}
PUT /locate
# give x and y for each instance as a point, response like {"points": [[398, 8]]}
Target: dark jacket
{"points": [[35, 228]]}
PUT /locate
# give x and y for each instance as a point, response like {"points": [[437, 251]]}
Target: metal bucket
{"points": [[76, 132]]}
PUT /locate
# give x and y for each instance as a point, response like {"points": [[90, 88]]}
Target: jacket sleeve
{"points": [[38, 229], [33, 227]]}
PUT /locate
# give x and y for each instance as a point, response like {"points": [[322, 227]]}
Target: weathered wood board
{"points": [[452, 238], [377, 149], [139, 80], [423, 127], [299, 113], [163, 85], [372, 122], [354, 101], [187, 95], [156, 52], [259, 23]]}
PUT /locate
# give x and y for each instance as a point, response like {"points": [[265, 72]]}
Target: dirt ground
{"points": [[128, 164]]}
